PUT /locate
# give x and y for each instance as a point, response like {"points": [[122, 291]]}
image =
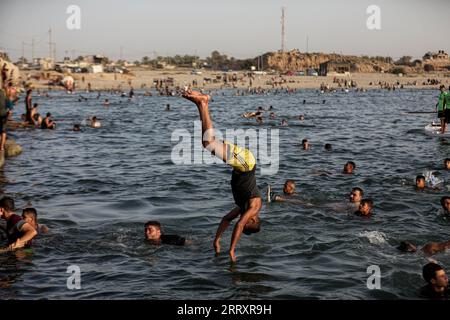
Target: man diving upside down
{"points": [[243, 179]]}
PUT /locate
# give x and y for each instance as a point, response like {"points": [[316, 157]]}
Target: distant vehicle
{"points": [[196, 72], [312, 72], [260, 72]]}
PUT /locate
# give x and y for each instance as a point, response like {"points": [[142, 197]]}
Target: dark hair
{"points": [[48, 114], [290, 181], [327, 146], [405, 246], [368, 201], [31, 211], [351, 163], [35, 105], [441, 86], [255, 228], [153, 223], [358, 189], [446, 160], [7, 203], [304, 140], [443, 199], [429, 271], [420, 177]]}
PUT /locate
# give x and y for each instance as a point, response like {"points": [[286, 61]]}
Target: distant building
{"points": [[335, 66], [440, 55], [44, 63]]}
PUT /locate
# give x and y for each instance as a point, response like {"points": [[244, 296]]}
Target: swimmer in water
{"points": [[365, 208], [47, 122], [289, 194], [30, 215], [447, 163], [305, 144], [349, 167], [355, 198], [445, 203], [284, 123], [429, 249], [95, 123], [20, 233], [420, 182], [76, 127], [167, 107], [437, 282], [154, 235], [106, 103], [246, 193], [301, 117], [328, 147]]}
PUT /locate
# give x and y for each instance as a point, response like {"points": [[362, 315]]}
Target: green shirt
{"points": [[443, 97]]}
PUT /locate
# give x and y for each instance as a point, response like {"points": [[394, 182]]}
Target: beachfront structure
{"points": [[336, 67]]}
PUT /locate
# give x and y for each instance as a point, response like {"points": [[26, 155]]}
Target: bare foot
{"points": [[196, 97]]}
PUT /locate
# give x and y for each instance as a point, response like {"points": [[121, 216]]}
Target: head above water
{"points": [[420, 181], [445, 203], [30, 216], [349, 167], [406, 246], [356, 194], [365, 206], [328, 146], [289, 187], [6, 205], [305, 144], [447, 163], [435, 275], [152, 230], [252, 226]]}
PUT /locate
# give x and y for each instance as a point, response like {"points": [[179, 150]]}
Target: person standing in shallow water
{"points": [[243, 180]]}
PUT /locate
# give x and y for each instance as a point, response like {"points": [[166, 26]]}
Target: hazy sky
{"points": [[241, 28]]}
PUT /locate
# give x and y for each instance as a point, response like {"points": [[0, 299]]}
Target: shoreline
{"points": [[144, 79]]}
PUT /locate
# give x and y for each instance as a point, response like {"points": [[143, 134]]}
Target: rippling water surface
{"points": [[96, 188]]}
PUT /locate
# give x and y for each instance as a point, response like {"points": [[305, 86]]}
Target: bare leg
{"points": [[2, 141], [216, 147]]}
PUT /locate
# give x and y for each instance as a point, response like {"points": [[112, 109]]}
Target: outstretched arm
{"points": [[29, 233], [223, 226], [435, 247], [254, 207]]}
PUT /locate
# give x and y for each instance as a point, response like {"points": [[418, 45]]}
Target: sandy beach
{"points": [[140, 78]]}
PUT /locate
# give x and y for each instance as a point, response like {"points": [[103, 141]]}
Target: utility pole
{"points": [[32, 50], [54, 51], [282, 28], [50, 42], [307, 44], [23, 49]]}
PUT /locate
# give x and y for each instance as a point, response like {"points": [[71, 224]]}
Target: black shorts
{"points": [[441, 114], [244, 188], [3, 124], [447, 115]]}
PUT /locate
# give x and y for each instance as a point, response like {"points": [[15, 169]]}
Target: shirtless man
{"points": [[243, 181]]}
